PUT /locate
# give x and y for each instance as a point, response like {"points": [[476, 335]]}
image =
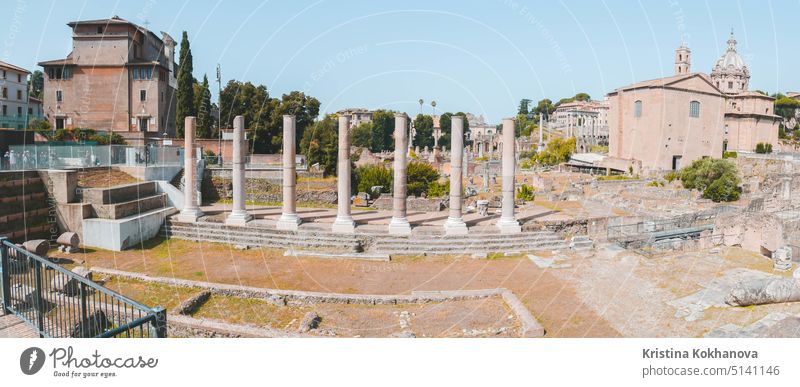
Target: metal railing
{"points": [[60, 303]]}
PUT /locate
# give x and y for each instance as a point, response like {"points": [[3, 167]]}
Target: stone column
{"points": [[344, 221], [399, 223], [191, 209], [289, 219], [239, 215], [508, 223], [455, 223]]}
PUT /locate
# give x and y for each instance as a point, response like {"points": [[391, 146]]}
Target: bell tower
{"points": [[683, 60]]}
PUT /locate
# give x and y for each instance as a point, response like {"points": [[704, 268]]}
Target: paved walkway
{"points": [[12, 326]]}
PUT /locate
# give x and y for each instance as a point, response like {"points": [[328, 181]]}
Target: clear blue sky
{"points": [[475, 56]]}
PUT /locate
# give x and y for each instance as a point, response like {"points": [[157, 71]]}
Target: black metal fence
{"points": [[60, 303]]}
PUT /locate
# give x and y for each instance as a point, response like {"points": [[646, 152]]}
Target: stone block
{"points": [[39, 247]]}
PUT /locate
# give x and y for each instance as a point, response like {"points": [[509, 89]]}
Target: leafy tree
{"points": [[786, 107], [556, 151], [252, 102], [717, 179], [523, 106], [420, 177], [446, 124], [382, 125], [582, 97], [544, 106], [525, 192], [320, 145], [423, 125], [185, 86], [304, 108], [202, 105], [361, 135], [524, 126], [37, 84]]}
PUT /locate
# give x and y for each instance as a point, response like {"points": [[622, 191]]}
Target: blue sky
{"points": [[475, 56]]}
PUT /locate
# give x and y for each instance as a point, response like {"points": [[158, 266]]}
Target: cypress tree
{"points": [[185, 86]]}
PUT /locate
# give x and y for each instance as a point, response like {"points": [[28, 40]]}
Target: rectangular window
{"points": [[30, 110], [19, 111], [19, 78], [135, 73], [637, 109], [5, 110], [59, 96], [730, 85], [19, 95], [694, 109], [4, 74], [5, 92], [142, 95]]}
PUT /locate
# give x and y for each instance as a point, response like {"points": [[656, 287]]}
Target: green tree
{"points": [[556, 151], [717, 179], [202, 105], [446, 124], [523, 106], [763, 148], [786, 107], [185, 87], [37, 84], [304, 108], [382, 125], [582, 97], [252, 102], [361, 135], [320, 145], [423, 126], [544, 106]]}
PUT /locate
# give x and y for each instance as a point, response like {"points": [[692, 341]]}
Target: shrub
{"points": [[671, 176], [556, 152], [717, 179], [370, 176], [438, 189], [730, 155], [655, 183], [525, 192], [763, 148], [420, 177]]}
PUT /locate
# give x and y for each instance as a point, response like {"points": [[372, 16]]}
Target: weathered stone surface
{"points": [[67, 285], [39, 247], [764, 291], [70, 239], [191, 305], [310, 321]]}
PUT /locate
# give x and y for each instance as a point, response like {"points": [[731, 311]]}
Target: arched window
{"points": [[637, 109], [694, 109]]}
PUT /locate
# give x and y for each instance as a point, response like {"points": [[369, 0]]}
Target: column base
{"points": [[509, 226], [290, 222], [238, 218], [344, 225], [455, 226], [399, 226], [189, 215]]}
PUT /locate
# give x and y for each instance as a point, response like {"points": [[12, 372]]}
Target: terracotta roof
{"points": [[57, 62], [113, 20], [664, 82], [12, 67]]}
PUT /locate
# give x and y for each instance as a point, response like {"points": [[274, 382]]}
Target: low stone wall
{"points": [[218, 187]]}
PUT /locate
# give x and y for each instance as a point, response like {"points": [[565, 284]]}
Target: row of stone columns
{"points": [[399, 225]]}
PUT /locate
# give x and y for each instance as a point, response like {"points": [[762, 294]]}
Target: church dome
{"points": [[730, 74], [731, 60]]}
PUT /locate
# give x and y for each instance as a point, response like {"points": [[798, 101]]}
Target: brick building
{"points": [[119, 76]]}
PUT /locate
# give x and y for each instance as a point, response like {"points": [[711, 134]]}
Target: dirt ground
{"points": [[103, 178], [552, 300]]}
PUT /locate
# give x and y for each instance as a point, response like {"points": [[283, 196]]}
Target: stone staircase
{"points": [[317, 239], [468, 244], [581, 243], [24, 207], [262, 236], [124, 215]]}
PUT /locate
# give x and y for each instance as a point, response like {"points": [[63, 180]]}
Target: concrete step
{"points": [[124, 209], [224, 231], [120, 193], [264, 241]]}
